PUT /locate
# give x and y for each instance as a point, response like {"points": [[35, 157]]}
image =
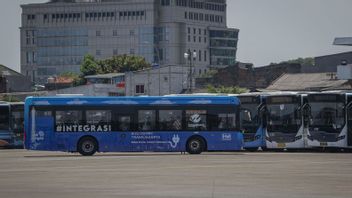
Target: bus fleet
{"points": [[188, 123]]}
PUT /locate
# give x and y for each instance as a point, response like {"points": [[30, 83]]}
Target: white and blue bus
{"points": [[134, 124], [11, 125], [253, 121], [330, 116], [285, 123]]}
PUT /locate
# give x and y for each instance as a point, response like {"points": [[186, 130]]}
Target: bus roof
{"points": [[45, 101]]}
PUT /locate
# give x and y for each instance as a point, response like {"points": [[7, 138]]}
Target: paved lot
{"points": [[160, 175]]}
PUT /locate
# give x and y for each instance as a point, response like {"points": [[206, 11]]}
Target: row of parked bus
{"points": [[11, 124], [297, 120], [193, 123]]}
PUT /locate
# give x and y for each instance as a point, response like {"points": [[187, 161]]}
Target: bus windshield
{"points": [[283, 118], [249, 117], [4, 118], [327, 116]]}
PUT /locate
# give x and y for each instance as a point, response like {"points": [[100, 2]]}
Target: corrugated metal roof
{"points": [[308, 82], [105, 76]]}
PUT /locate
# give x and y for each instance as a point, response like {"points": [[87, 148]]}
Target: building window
{"points": [[189, 30], [194, 39], [205, 39], [200, 55], [115, 52], [98, 52], [98, 33], [189, 38], [131, 32], [132, 51], [200, 39], [140, 89], [185, 15], [205, 32], [114, 33], [194, 31], [205, 56]]}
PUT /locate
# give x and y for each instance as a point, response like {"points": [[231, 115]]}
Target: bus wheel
{"points": [[195, 145], [87, 146]]}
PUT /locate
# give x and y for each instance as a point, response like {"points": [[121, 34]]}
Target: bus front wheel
{"points": [[87, 146], [195, 145]]}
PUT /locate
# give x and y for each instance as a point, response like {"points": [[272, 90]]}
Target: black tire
{"points": [[195, 145], [253, 149], [87, 146]]}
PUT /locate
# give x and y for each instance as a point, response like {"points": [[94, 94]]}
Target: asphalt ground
{"points": [[159, 175]]}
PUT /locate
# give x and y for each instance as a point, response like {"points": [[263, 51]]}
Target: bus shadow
{"points": [[131, 155]]}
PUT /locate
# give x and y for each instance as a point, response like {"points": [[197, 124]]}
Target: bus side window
{"points": [[98, 117], [124, 123], [170, 120], [40, 113], [196, 120], [146, 120], [69, 117], [231, 122]]}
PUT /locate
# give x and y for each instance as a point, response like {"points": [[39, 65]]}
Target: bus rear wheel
{"points": [[87, 146], [195, 145]]}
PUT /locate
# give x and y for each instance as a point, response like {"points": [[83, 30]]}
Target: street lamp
{"points": [[191, 57]]}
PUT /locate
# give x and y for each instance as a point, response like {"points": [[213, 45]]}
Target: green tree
{"points": [[116, 64], [309, 61], [90, 66], [226, 90]]}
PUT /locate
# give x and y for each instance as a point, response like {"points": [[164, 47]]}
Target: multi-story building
{"points": [[56, 35]]}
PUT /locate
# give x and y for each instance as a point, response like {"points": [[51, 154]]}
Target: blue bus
{"points": [[253, 121], [11, 125], [133, 124]]}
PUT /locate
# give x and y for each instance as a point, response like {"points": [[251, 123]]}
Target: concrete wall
{"points": [[158, 81], [90, 90]]}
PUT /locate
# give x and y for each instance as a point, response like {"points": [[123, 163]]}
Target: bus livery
{"points": [[135, 124]]}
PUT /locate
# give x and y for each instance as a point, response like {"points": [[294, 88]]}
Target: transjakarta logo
{"points": [[195, 118], [83, 128]]}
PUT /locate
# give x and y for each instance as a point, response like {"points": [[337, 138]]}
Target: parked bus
{"points": [[11, 125], [103, 124], [253, 121], [330, 120], [285, 126]]}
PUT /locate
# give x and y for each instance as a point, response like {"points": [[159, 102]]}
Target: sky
{"points": [[270, 30]]}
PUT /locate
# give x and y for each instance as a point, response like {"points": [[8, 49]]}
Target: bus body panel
{"points": [[299, 141], [259, 139], [41, 134], [137, 141]]}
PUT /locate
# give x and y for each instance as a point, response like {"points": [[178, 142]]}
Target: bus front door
{"points": [[42, 124]]}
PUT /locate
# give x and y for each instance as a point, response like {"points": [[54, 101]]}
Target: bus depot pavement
{"points": [[160, 175]]}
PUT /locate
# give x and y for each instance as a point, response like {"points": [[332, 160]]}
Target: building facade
{"points": [[56, 35]]}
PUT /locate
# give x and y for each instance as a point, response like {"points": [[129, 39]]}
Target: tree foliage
{"points": [[116, 64], [226, 90], [89, 66], [303, 61]]}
